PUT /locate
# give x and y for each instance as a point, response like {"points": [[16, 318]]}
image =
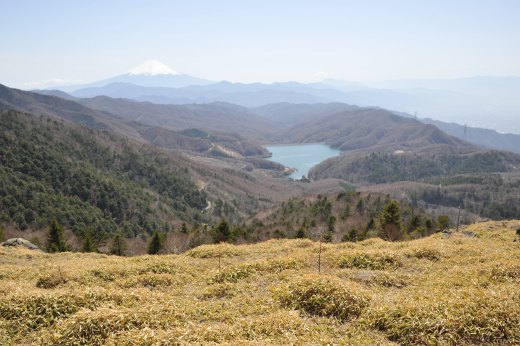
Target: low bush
{"points": [[52, 280], [33, 312], [214, 251], [323, 296], [425, 253], [94, 327], [367, 260], [465, 317]]}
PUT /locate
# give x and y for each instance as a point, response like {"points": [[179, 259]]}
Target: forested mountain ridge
{"points": [[175, 127], [217, 116], [371, 129], [48, 105], [88, 178]]}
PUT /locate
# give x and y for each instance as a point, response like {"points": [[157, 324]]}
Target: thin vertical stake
{"points": [[319, 257], [458, 219], [219, 254]]}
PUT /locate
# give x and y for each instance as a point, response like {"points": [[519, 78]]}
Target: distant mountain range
{"points": [[486, 102], [151, 73], [286, 114]]}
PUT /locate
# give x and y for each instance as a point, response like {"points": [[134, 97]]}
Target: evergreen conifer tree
{"points": [[390, 219], [118, 247], [56, 238], [156, 244], [221, 232], [88, 243]]}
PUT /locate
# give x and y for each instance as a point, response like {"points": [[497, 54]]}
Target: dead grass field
{"points": [[458, 290]]}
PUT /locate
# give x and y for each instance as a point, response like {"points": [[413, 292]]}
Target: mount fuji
{"points": [[151, 73]]}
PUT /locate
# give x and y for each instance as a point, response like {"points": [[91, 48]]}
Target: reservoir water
{"points": [[301, 157]]}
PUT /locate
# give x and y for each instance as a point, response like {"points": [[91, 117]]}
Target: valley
{"points": [[221, 148]]}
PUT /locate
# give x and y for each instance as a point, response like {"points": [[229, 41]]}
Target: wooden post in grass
{"points": [[219, 255], [458, 219], [319, 254]]}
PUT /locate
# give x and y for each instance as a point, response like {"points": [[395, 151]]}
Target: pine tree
{"points": [[221, 232], [390, 219], [118, 245], [88, 243], [391, 214], [156, 244], [56, 238]]}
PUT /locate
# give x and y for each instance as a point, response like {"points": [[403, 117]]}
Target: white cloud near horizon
{"points": [[52, 82]]}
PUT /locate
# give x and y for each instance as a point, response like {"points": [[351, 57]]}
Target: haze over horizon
{"points": [[59, 42]]}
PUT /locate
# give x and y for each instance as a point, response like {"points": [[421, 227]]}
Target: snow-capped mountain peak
{"points": [[152, 68]]}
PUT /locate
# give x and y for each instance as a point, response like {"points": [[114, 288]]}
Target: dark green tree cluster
{"points": [[87, 178]]}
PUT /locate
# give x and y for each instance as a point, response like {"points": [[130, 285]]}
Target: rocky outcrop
{"points": [[19, 242]]}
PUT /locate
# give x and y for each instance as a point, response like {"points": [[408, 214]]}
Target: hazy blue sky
{"points": [[264, 40]]}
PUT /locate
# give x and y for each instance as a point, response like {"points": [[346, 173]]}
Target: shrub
{"points": [[323, 296], [234, 274], [224, 290], [505, 272], [238, 272], [94, 327], [33, 312], [467, 317], [52, 280], [214, 251], [148, 280], [444, 222], [368, 260], [425, 253], [380, 279]]}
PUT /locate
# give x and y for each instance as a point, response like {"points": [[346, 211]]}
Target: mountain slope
{"points": [[86, 178], [225, 117], [39, 104], [211, 117], [478, 136], [371, 129], [291, 114]]}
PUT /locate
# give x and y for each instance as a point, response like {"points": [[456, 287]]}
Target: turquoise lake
{"points": [[302, 157]]}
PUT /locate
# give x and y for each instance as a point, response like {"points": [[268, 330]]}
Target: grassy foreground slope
{"points": [[461, 289]]}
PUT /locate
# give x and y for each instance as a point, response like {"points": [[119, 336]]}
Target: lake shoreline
{"points": [[300, 157]]}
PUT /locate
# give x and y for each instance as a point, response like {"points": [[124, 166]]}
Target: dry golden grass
{"points": [[458, 290]]}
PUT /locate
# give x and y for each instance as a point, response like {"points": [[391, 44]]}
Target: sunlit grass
{"points": [[460, 290]]}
